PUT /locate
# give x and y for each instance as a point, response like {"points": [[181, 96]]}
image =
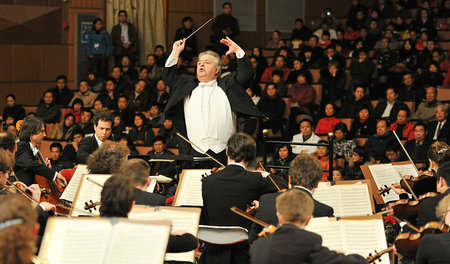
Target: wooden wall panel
{"points": [[6, 69], [54, 61], [27, 63], [27, 93], [86, 4]]}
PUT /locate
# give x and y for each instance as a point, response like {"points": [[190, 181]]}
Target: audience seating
{"points": [[45, 146]]}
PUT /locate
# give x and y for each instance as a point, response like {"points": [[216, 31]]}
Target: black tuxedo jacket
{"points": [[85, 148], [292, 245], [27, 165], [151, 199], [267, 212], [433, 248], [422, 149], [234, 86], [445, 131], [232, 186], [427, 211]]}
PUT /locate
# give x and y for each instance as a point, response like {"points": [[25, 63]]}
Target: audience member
{"points": [[124, 39], [154, 71], [376, 144], [84, 94], [333, 83], [280, 64], [161, 55], [361, 69], [109, 95], [350, 108], [76, 110], [61, 93], [70, 150], [409, 90], [306, 135], [439, 129], [417, 148], [47, 110], [98, 107], [56, 160], [342, 147], [124, 110], [302, 94], [426, 111], [63, 130], [283, 157], [364, 125], [360, 156], [186, 30], [139, 98], [12, 109], [225, 25], [388, 108], [122, 82], [169, 133], [128, 69], [323, 157], [99, 48], [95, 82], [273, 107], [85, 123], [329, 121], [402, 126], [162, 96], [273, 42], [162, 168], [300, 32], [141, 134]]}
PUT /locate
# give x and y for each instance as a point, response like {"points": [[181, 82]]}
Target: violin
{"points": [[406, 244], [407, 210], [267, 229], [91, 205], [372, 258], [14, 186], [410, 180]]}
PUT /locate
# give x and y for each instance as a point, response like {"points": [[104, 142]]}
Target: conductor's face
{"points": [[103, 130], [206, 68]]}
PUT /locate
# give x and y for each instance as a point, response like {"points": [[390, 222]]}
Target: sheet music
{"points": [[351, 236], [181, 221], [62, 244], [190, 189], [88, 191], [72, 186], [385, 174], [332, 237], [152, 185], [346, 200], [406, 170], [138, 244]]}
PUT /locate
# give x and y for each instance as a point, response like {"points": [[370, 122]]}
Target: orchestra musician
{"points": [[102, 127], [427, 211], [291, 243], [138, 171], [27, 156], [433, 248], [18, 230], [108, 158], [204, 107], [305, 173], [118, 198], [232, 186]]}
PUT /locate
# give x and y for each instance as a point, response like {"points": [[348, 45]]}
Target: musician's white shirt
{"points": [[207, 111]]}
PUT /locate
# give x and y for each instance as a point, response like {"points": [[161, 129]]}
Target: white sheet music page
{"points": [[385, 175], [75, 241], [190, 193], [88, 191], [346, 200], [72, 186], [138, 243], [406, 170]]}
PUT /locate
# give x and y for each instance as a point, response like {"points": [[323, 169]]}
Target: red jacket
{"points": [[267, 75], [408, 131], [326, 125], [304, 94]]}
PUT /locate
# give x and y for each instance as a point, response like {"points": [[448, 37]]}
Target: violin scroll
{"points": [[91, 205]]}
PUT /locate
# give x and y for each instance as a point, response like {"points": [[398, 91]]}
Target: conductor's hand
{"points": [[177, 48], [232, 46], [60, 181]]}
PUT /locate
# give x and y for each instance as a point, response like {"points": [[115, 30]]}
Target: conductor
{"points": [[206, 107]]}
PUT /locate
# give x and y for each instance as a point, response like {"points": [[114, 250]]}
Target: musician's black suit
{"points": [[85, 148], [267, 212], [232, 186], [433, 248], [233, 85], [152, 199], [27, 165], [292, 245], [427, 211]]}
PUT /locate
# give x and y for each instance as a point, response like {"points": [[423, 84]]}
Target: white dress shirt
{"points": [[124, 32], [99, 142], [207, 111], [387, 110]]}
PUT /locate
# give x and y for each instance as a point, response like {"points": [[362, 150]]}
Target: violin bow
{"points": [[204, 152], [409, 157], [270, 177], [238, 211], [94, 182], [204, 24]]}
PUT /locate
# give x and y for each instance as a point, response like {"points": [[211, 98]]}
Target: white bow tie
{"points": [[207, 84]]}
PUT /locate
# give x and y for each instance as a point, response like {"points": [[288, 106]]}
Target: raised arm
{"points": [[169, 74], [244, 71]]}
